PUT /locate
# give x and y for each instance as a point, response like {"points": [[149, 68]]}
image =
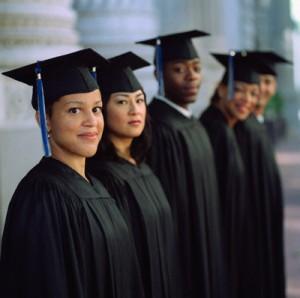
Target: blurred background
{"points": [[39, 29]]}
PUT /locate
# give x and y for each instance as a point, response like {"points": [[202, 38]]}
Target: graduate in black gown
{"points": [[64, 236], [181, 156], [267, 276], [219, 119], [119, 164]]}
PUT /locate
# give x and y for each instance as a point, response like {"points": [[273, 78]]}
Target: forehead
{"points": [[184, 61], [246, 85], [127, 94], [267, 77]]}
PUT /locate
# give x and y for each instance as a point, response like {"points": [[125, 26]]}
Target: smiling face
{"points": [[242, 104], [125, 114], [76, 125], [268, 86], [182, 80]]}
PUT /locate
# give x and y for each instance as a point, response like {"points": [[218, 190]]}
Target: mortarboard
{"points": [[56, 77], [176, 46], [171, 47], [118, 76], [238, 67], [61, 75], [268, 61]]}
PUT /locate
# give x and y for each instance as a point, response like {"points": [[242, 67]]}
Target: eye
{"points": [[238, 88], [74, 110], [121, 101], [140, 100], [179, 69], [197, 68], [97, 109]]}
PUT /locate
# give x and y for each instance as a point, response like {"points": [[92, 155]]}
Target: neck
{"points": [[231, 121], [180, 104], [74, 162], [123, 146]]}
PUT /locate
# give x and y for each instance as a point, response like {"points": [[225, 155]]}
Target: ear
{"points": [[37, 118], [222, 91]]}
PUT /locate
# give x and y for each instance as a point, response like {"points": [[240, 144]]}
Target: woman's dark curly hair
{"points": [[139, 147]]}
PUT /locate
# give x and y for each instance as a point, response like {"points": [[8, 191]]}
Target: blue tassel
{"points": [[230, 83], [159, 68], [94, 73], [42, 110]]}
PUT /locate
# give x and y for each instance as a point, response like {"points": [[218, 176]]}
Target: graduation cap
{"points": [[238, 67], [171, 47], [56, 77], [176, 46], [118, 76], [268, 61]]}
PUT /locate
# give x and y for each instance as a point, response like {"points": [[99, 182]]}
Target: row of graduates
{"points": [[155, 203]]}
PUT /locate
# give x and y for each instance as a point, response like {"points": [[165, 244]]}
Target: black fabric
{"points": [[176, 46], [65, 237], [181, 156], [244, 69], [143, 203], [61, 75], [119, 76], [265, 260], [232, 193], [268, 61]]}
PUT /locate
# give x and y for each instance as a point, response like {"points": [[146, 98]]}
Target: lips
{"points": [[242, 108], [89, 136], [135, 122], [190, 90]]}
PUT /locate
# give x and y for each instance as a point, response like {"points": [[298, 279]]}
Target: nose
{"points": [[133, 108], [192, 74], [248, 98], [90, 119]]}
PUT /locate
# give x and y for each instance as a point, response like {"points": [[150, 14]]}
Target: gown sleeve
{"points": [[32, 260]]}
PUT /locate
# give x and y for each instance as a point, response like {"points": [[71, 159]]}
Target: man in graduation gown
{"points": [[267, 275], [182, 158]]}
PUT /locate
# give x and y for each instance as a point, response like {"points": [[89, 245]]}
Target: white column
{"points": [[112, 26], [29, 31]]}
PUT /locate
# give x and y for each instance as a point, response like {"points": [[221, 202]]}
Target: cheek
{"points": [[116, 118], [61, 125], [174, 80], [100, 123]]}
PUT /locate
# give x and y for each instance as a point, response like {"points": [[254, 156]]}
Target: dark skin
{"points": [[182, 80]]}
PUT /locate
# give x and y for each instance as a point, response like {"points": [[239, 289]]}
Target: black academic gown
{"points": [[265, 213], [182, 157], [232, 192], [143, 203], [65, 238]]}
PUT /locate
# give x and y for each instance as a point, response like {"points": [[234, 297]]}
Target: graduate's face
{"points": [[243, 102], [76, 125], [125, 114], [268, 86], [182, 80]]}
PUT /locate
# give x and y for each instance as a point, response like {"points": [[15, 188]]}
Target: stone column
{"points": [[29, 30], [111, 27]]}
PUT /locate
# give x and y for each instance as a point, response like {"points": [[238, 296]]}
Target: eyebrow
{"points": [[81, 102], [127, 95]]}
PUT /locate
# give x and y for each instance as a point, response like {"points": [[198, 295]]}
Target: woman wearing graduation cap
{"points": [[235, 98], [119, 164], [64, 236], [265, 192], [182, 157]]}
